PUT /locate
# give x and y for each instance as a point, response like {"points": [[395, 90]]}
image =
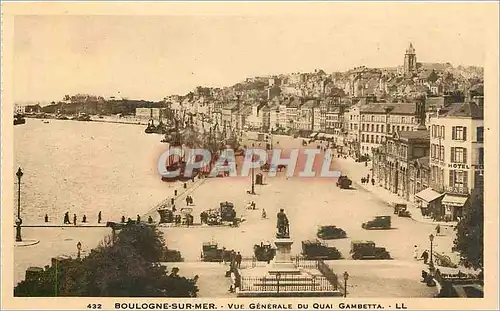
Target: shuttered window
{"points": [[452, 154]]}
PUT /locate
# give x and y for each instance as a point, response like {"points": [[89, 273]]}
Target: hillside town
{"points": [[408, 120]]}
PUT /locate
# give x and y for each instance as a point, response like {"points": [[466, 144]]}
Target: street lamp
{"points": [[346, 277], [19, 221], [431, 238], [79, 247]]}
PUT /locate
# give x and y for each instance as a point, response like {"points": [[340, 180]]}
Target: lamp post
{"points": [[431, 263], [346, 277], [19, 221], [79, 247]]}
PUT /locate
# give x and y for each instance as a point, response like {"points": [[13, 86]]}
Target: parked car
{"points": [[368, 250], [314, 249], [379, 222], [330, 232]]}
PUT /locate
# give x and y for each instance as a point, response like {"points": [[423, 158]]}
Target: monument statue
{"points": [[282, 225]]}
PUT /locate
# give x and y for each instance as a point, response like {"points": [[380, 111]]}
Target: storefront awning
{"points": [[454, 200], [313, 135], [428, 195]]}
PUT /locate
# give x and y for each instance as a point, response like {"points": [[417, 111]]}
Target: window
{"points": [[458, 155], [378, 128], [350, 117], [458, 179], [480, 157], [382, 128], [363, 127], [371, 138], [399, 129], [441, 153], [372, 128], [433, 131], [459, 133], [351, 126], [393, 128], [377, 139], [363, 138], [480, 134], [442, 131]]}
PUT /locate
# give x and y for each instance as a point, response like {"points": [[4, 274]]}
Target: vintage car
{"points": [[343, 182], [379, 222], [330, 232], [367, 250], [264, 251], [401, 210], [315, 249], [212, 253]]}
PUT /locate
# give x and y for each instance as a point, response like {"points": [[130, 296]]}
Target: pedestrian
{"points": [[150, 220], [438, 230], [46, 218], [66, 218], [175, 192], [415, 252], [185, 185], [74, 219], [373, 182], [425, 256], [99, 217], [238, 259], [187, 201], [84, 219], [173, 208], [129, 221], [138, 218], [368, 177], [123, 219], [172, 201]]}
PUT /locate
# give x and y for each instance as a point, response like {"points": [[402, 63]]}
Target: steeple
{"points": [[410, 62]]}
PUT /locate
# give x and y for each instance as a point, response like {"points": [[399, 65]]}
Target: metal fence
{"points": [[285, 283]]}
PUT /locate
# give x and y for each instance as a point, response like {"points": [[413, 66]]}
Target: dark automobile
{"points": [[379, 222], [315, 249], [368, 250], [343, 182], [330, 232]]}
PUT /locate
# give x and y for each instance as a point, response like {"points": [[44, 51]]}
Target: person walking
{"points": [[150, 220], [425, 256], [123, 219], [138, 218], [438, 230], [46, 218], [84, 219], [373, 182], [238, 259], [66, 218], [99, 217], [415, 252], [74, 219]]}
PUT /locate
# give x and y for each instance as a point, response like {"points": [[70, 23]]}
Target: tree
{"points": [[470, 233], [126, 266]]}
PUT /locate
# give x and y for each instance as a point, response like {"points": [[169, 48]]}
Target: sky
{"points": [[150, 57]]}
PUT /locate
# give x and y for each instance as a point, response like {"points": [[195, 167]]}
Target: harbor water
{"points": [[86, 167]]}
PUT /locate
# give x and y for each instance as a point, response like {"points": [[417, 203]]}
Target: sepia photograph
{"points": [[250, 155]]}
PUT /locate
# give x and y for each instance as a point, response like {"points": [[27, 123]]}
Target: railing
{"points": [[328, 274], [286, 283]]}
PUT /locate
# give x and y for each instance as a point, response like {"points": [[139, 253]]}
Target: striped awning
{"points": [[454, 200], [428, 195]]}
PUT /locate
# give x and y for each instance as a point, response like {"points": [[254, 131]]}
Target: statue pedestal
{"points": [[282, 262]]}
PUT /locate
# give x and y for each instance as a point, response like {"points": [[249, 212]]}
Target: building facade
{"points": [[457, 155]]}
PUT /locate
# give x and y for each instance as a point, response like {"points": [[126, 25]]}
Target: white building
{"points": [[457, 154]]}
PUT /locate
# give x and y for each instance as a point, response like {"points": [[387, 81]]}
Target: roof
{"points": [[464, 110], [425, 135], [396, 108]]}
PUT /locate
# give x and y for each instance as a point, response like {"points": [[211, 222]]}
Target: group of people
{"points": [[189, 200], [365, 180], [235, 259], [67, 221], [138, 219]]}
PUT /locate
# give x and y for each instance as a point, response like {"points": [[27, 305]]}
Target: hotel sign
{"points": [[458, 166]]}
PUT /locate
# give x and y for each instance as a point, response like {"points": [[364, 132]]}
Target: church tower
{"points": [[410, 64]]}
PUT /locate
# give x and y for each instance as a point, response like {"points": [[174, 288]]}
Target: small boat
{"points": [[19, 119]]}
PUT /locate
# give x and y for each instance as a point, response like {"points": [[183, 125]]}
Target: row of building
{"points": [[436, 164]]}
